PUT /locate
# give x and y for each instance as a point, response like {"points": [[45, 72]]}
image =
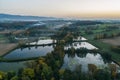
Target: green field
{"points": [[98, 43], [106, 48], [3, 39]]}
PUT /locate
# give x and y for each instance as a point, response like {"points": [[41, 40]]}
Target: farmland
{"points": [[113, 41]]}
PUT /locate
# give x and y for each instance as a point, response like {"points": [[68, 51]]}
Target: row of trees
{"points": [[105, 35], [39, 70]]}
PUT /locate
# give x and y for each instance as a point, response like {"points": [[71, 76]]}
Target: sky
{"points": [[63, 8]]}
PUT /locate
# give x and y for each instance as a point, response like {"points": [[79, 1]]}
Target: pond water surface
{"points": [[70, 62], [77, 45], [41, 42], [73, 62], [29, 52], [12, 66]]}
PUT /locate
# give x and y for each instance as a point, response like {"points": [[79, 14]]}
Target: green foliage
{"points": [[2, 75], [10, 74], [102, 75], [14, 78], [26, 74], [46, 72]]}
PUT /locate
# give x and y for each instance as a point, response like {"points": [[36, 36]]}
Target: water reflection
{"points": [[29, 52], [42, 42], [77, 45], [71, 62]]}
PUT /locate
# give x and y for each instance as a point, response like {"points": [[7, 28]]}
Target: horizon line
{"points": [[76, 18]]}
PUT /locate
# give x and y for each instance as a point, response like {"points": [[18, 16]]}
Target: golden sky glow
{"points": [[63, 8]]}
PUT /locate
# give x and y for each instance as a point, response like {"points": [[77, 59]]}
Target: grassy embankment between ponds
{"points": [[105, 47], [18, 60]]}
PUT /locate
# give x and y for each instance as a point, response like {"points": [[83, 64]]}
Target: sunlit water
{"points": [[41, 42], [77, 45]]}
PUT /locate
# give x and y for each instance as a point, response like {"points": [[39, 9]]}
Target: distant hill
{"points": [[9, 17]]}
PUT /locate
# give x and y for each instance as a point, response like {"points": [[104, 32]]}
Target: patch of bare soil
{"points": [[4, 48], [113, 41]]}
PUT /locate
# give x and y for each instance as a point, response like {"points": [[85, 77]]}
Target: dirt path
{"points": [[4, 48], [113, 41]]}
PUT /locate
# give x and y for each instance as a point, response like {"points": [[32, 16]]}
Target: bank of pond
{"points": [[84, 55]]}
